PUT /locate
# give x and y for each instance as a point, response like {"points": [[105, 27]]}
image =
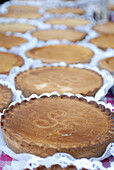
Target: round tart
{"points": [[53, 124], [28, 15], [10, 41], [69, 35], [15, 27], [22, 8], [60, 79], [69, 22], [66, 10], [8, 61], [67, 53], [6, 97], [104, 41], [107, 28], [107, 64]]}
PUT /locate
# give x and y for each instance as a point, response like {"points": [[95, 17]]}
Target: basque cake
{"points": [[66, 10], [11, 41], [60, 79], [70, 54], [104, 41], [54, 124], [70, 35], [8, 61], [28, 15], [15, 27], [107, 64], [69, 22], [6, 97], [22, 8], [106, 28]]}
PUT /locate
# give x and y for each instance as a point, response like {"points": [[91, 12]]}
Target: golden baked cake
{"points": [[22, 8], [53, 124], [60, 79], [11, 41], [104, 41], [107, 64], [8, 61], [6, 97], [71, 54], [15, 27], [70, 35], [69, 22], [106, 28], [28, 15], [79, 11]]}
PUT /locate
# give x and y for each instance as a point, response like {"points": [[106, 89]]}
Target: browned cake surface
{"points": [[66, 10], [60, 79], [107, 63], [8, 61], [107, 28], [58, 124], [15, 27], [28, 15], [6, 97], [23, 8], [104, 41], [69, 22], [10, 41], [58, 53], [70, 35]]}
